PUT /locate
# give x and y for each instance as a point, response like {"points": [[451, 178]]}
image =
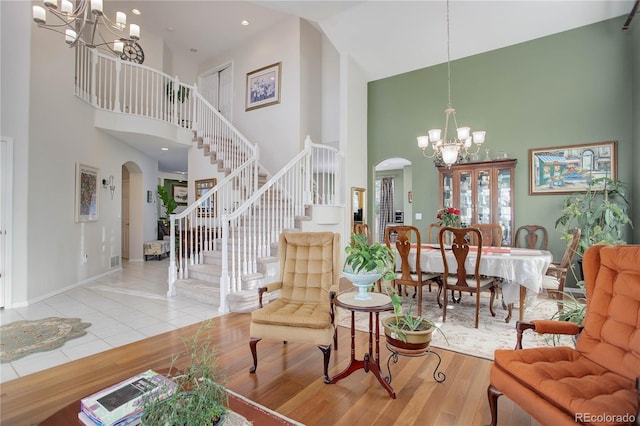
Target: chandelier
{"points": [[82, 24], [449, 149]]}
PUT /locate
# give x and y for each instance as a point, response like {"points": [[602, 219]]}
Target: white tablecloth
{"points": [[517, 266]]}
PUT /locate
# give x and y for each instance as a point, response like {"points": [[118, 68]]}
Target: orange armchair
{"points": [[598, 380]]}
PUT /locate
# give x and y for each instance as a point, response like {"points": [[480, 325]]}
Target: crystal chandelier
{"points": [[449, 149], [82, 24]]}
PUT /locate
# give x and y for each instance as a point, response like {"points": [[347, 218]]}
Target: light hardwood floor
{"points": [[288, 380]]}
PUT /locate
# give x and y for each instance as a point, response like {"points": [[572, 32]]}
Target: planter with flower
{"points": [[449, 217]]}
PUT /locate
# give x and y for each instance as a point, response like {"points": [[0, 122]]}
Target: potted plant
{"points": [[199, 397], [366, 263], [182, 92], [168, 202], [573, 310], [406, 332], [601, 214]]}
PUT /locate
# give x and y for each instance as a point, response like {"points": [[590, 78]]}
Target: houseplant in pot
{"points": [[168, 202], [199, 398], [366, 263], [600, 212], [406, 332]]}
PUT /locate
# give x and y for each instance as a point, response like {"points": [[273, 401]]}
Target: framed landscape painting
{"points": [[567, 169], [263, 87], [86, 199], [180, 194]]}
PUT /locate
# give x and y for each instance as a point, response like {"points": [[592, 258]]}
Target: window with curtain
{"points": [[384, 205]]}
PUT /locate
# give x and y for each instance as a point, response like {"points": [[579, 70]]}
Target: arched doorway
{"points": [[393, 189], [132, 212]]}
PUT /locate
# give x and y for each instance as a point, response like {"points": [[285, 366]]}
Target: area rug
{"points": [[461, 336], [21, 338]]}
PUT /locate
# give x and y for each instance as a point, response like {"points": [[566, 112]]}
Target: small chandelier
{"points": [[82, 23], [450, 148]]}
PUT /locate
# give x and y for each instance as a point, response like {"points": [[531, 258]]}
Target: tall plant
{"points": [[601, 214], [167, 200]]}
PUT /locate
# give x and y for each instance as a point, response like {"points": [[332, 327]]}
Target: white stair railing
{"points": [[236, 216], [250, 231]]}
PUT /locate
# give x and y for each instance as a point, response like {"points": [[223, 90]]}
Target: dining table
{"points": [[520, 270]]}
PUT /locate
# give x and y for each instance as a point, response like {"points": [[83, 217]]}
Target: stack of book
{"points": [[122, 403]]}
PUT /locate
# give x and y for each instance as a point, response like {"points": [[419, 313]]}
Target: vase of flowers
{"points": [[449, 217]]}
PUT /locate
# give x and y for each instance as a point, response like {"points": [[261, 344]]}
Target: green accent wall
{"points": [[570, 88]]}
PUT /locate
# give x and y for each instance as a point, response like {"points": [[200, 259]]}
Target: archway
{"points": [[132, 212], [392, 194]]}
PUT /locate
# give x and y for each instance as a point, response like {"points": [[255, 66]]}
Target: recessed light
{"points": [[244, 22], [135, 11], [164, 149]]}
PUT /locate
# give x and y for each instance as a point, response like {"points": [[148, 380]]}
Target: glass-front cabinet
{"points": [[483, 192]]}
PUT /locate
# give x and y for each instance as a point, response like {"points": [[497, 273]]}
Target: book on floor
{"points": [[122, 403]]}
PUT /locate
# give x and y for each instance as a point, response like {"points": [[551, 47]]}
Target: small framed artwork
{"points": [[208, 207], [149, 197], [263, 87], [410, 196], [86, 199], [568, 169], [180, 194]]}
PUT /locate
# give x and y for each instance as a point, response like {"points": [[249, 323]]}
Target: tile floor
{"points": [[122, 307]]}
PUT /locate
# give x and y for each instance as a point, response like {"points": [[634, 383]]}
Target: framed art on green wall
{"points": [[567, 169]]}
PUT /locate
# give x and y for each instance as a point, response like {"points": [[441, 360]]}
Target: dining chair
{"points": [[532, 237], [432, 233], [407, 238], [304, 310], [491, 234], [462, 280], [363, 229], [554, 280]]}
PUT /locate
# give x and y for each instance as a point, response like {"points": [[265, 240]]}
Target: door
{"points": [[125, 213], [6, 172], [217, 88]]}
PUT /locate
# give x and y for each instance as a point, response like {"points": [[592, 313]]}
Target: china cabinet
{"points": [[483, 191]]}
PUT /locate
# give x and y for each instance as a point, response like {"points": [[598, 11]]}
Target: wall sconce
{"points": [[108, 184]]}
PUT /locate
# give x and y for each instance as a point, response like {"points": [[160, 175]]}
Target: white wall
{"points": [[353, 132], [53, 130], [330, 93], [310, 82], [276, 128], [15, 18]]}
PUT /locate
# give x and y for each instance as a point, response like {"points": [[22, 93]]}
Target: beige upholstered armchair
{"points": [[309, 280]]}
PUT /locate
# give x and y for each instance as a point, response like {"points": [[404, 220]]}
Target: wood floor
{"points": [[288, 380]]}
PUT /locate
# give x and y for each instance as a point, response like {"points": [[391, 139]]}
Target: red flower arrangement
{"points": [[449, 217]]}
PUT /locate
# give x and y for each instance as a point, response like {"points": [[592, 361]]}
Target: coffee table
{"points": [[371, 362]]}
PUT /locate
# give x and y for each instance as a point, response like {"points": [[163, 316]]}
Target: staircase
{"points": [[225, 243]]}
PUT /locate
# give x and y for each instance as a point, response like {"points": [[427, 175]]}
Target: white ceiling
{"points": [[384, 37]]}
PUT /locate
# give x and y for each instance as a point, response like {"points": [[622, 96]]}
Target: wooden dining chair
{"points": [[532, 237], [491, 234], [461, 279], [432, 233], [408, 236], [363, 229], [554, 280]]}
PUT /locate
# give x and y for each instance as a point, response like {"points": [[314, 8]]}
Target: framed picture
{"points": [[180, 194], [86, 199], [208, 207], [567, 169], [263, 87]]}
